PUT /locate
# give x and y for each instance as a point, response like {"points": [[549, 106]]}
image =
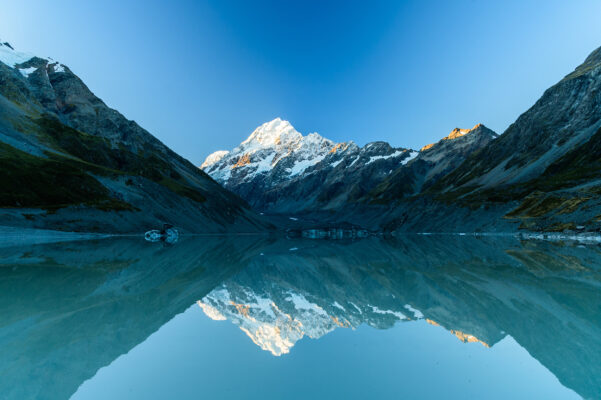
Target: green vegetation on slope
{"points": [[30, 181]]}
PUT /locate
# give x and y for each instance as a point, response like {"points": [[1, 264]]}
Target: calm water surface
{"points": [[257, 318]]}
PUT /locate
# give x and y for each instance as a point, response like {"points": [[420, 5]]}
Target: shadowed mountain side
{"points": [[67, 310], [69, 162]]}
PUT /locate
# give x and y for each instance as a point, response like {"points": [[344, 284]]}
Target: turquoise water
{"points": [[257, 318]]}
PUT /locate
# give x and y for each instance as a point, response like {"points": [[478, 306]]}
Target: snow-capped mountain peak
{"points": [[213, 158], [277, 132], [273, 146], [276, 155]]}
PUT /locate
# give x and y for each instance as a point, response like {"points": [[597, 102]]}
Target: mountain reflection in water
{"points": [[69, 309]]}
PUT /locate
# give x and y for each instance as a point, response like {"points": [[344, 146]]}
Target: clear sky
{"points": [[201, 75]]}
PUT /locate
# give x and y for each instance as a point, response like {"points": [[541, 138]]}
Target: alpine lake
{"points": [[258, 317]]}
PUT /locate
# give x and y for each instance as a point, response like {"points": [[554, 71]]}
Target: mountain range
{"points": [[278, 170], [70, 162], [541, 174]]}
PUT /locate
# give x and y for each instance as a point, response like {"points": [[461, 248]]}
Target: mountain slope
{"points": [[546, 163], [70, 162], [566, 116], [432, 163]]}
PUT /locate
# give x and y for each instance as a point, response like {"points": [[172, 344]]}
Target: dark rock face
{"points": [[66, 152]]}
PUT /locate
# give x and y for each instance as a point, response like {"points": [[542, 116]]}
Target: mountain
{"points": [[546, 164], [279, 170], [541, 174], [433, 162], [70, 162]]}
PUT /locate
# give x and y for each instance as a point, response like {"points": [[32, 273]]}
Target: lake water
{"points": [[415, 317]]}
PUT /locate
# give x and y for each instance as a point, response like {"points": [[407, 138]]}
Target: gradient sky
{"points": [[202, 75]]}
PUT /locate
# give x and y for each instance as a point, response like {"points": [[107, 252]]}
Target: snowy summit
{"points": [[273, 143]]}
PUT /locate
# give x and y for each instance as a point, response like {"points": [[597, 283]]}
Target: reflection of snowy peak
{"points": [[272, 327], [276, 321]]}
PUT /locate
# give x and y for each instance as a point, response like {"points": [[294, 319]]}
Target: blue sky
{"points": [[202, 75]]}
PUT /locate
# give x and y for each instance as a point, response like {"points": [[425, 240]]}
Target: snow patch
{"points": [[335, 163], [355, 160], [416, 313], [412, 155], [264, 165], [395, 154], [58, 67], [12, 57], [302, 165], [357, 308], [301, 303], [27, 71], [397, 314]]}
